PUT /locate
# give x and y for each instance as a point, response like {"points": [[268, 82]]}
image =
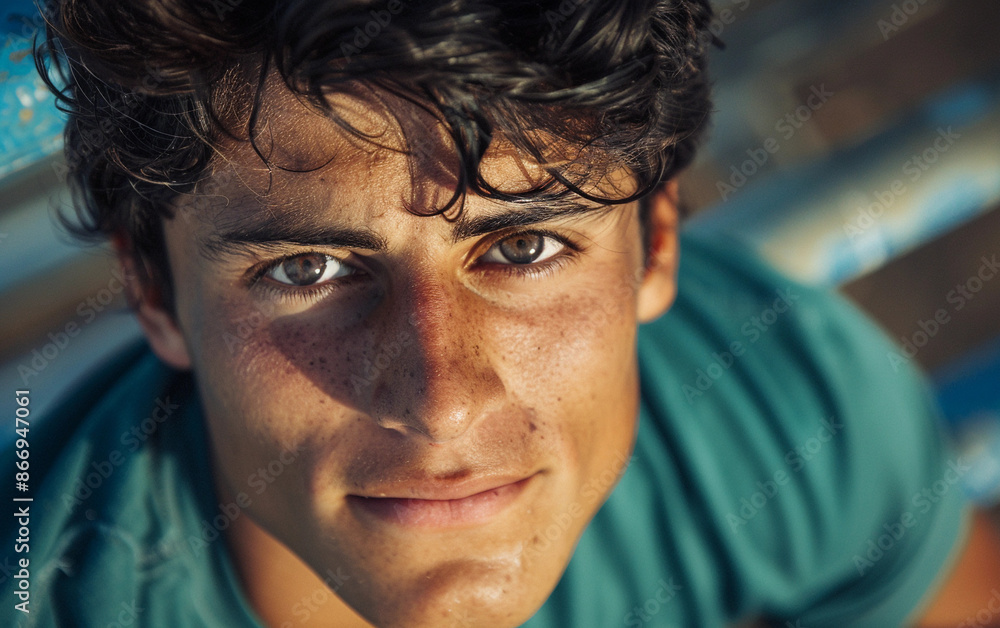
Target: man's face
{"points": [[445, 400]]}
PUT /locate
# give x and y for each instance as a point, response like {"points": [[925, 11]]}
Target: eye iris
{"points": [[304, 270], [522, 249]]}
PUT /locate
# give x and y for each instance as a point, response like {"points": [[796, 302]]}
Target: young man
{"points": [[403, 269]]}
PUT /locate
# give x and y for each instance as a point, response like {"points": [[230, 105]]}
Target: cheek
{"points": [[576, 363], [584, 338], [249, 381], [577, 351]]}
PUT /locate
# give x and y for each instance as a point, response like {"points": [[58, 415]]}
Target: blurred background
{"points": [[856, 144]]}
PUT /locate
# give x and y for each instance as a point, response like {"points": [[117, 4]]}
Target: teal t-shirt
{"points": [[788, 465]]}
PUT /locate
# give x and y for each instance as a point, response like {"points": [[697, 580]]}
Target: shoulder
{"points": [[91, 522], [802, 436], [95, 415], [744, 340]]}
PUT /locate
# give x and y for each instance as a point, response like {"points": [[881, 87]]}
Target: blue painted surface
{"points": [[797, 202], [30, 125]]}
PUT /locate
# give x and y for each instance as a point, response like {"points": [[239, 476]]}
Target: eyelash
{"points": [[256, 275], [256, 280], [541, 269]]}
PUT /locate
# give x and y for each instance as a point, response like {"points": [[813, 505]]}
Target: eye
{"points": [[308, 269], [523, 248]]}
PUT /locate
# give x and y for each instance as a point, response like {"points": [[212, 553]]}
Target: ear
{"points": [[146, 301], [659, 284]]}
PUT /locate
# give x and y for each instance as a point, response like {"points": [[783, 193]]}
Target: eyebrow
{"points": [[251, 233]]}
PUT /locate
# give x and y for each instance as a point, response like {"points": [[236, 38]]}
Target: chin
{"points": [[492, 602], [457, 591]]}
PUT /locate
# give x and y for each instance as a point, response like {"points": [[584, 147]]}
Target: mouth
{"points": [[442, 505]]}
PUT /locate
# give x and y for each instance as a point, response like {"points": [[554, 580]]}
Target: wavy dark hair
{"points": [[616, 83]]}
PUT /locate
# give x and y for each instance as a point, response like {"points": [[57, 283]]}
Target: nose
{"points": [[442, 381]]}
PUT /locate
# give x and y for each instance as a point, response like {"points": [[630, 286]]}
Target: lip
{"points": [[443, 504]]}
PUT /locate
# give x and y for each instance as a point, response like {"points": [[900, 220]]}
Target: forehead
{"points": [[368, 151], [360, 127]]}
